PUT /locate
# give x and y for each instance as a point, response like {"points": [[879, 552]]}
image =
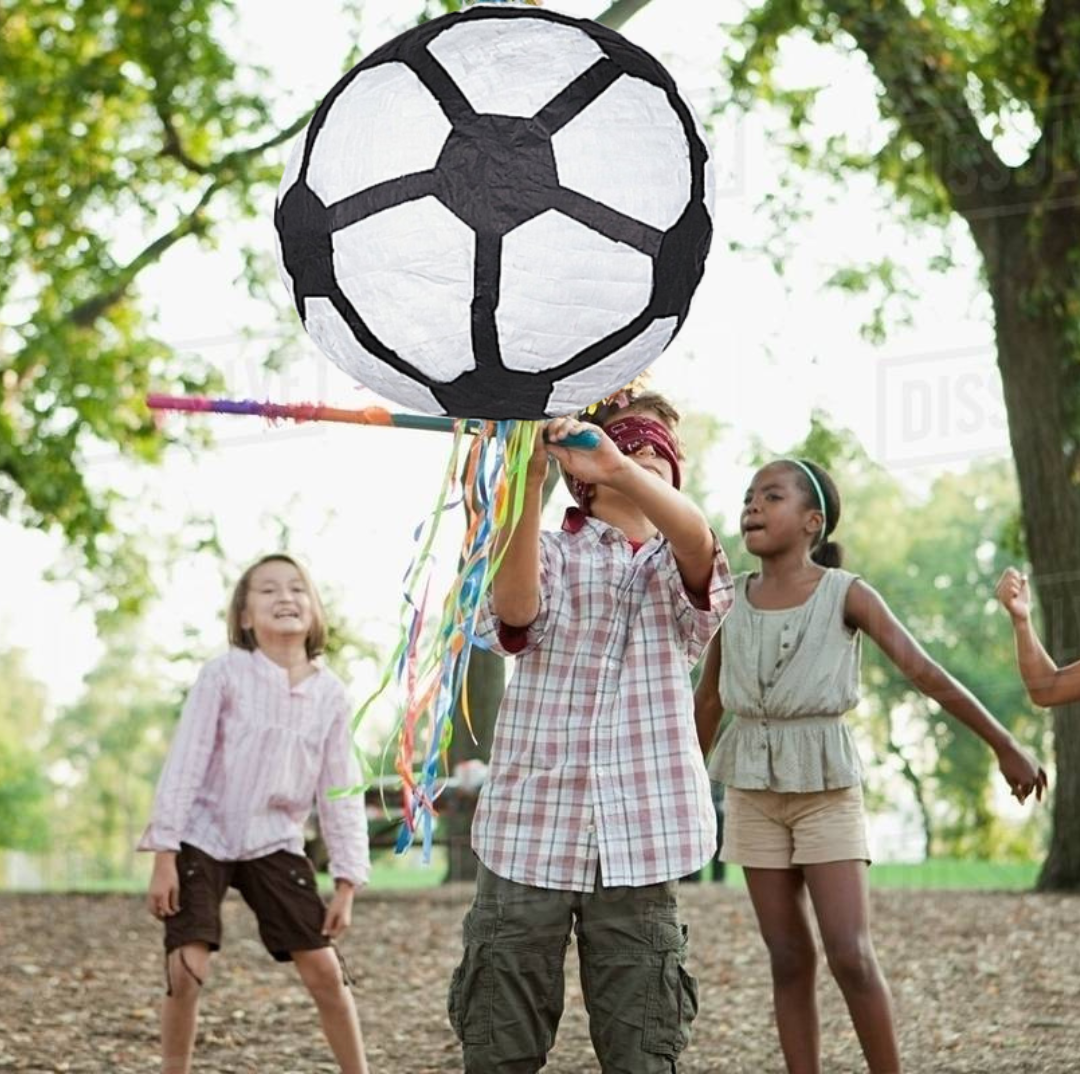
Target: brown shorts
{"points": [[776, 830], [280, 888]]}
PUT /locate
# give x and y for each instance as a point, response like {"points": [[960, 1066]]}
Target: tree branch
{"points": [[619, 13], [927, 98], [90, 310], [225, 174], [276, 140], [918, 789], [173, 147]]}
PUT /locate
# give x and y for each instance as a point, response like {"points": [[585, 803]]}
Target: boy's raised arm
{"points": [[681, 522], [515, 589], [674, 515]]}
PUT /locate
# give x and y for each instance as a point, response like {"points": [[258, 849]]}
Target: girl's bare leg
{"points": [[321, 973], [189, 966], [783, 914], [841, 895]]}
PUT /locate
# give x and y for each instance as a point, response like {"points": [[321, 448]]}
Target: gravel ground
{"points": [[982, 981]]}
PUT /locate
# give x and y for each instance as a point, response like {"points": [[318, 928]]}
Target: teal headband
{"points": [[817, 491]]}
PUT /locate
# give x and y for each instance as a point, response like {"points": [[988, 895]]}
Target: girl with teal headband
{"points": [[785, 667]]}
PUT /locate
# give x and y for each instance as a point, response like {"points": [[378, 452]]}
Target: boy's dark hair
{"points": [[645, 401], [826, 552], [314, 643]]}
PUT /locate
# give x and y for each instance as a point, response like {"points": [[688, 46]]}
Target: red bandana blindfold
{"points": [[630, 434]]}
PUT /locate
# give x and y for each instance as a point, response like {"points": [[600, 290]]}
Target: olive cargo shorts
{"points": [[506, 995]]}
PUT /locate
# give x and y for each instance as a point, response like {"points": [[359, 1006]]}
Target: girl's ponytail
{"points": [[829, 554]]}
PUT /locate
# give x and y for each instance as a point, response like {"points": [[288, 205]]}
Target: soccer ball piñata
{"points": [[502, 214]]}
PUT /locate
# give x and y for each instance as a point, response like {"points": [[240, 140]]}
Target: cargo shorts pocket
{"points": [[672, 996], [200, 891], [470, 1000], [189, 868]]}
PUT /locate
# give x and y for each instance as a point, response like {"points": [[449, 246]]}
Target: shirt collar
{"points": [[575, 521], [278, 672]]}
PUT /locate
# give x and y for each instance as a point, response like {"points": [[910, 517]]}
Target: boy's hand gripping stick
{"points": [[580, 440]]}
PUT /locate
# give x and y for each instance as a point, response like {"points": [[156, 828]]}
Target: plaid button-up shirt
{"points": [[595, 757]]}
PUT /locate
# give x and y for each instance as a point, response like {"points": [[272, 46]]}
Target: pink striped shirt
{"points": [[250, 757], [595, 759]]}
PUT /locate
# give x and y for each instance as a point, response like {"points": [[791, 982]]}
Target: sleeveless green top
{"points": [[786, 679]]}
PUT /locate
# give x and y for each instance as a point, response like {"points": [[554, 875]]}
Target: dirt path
{"points": [[982, 981]]}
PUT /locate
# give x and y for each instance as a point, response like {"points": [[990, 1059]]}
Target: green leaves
{"points": [[889, 286], [108, 748], [125, 129], [24, 824]]}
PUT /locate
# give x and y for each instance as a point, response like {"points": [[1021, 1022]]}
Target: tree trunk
{"points": [[1032, 349], [1062, 867], [487, 674]]}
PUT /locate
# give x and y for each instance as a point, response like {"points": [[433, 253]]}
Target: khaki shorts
{"points": [[776, 830]]}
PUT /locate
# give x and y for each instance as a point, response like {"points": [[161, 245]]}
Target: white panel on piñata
{"points": [[618, 369], [525, 62], [421, 299], [548, 264], [384, 124], [492, 255], [628, 151], [332, 334]]}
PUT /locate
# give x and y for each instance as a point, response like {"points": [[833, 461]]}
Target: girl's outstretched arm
{"points": [[1046, 683], [866, 610], [708, 707]]}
